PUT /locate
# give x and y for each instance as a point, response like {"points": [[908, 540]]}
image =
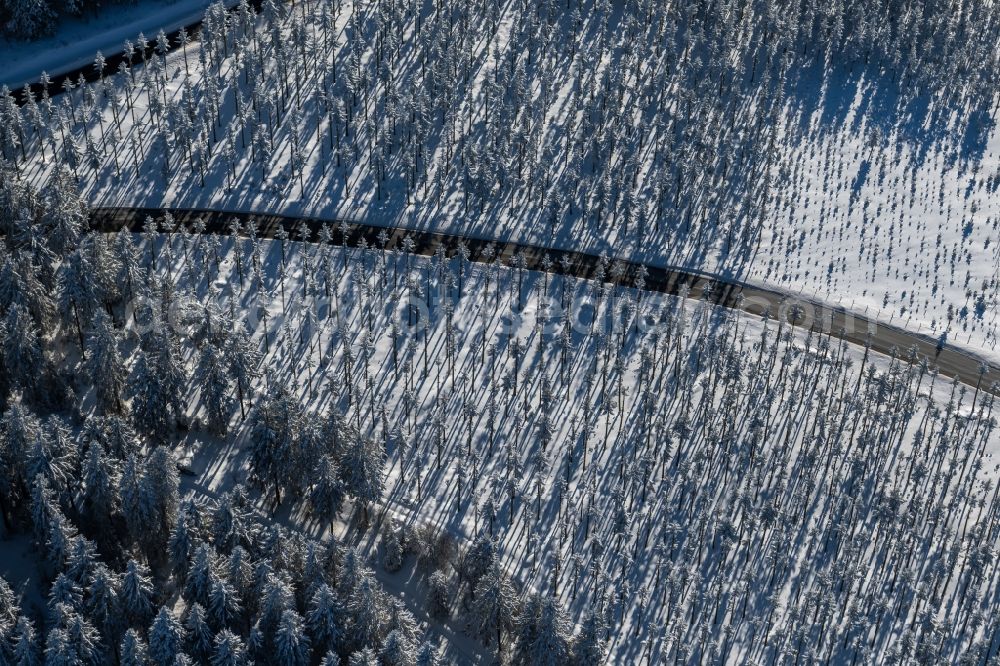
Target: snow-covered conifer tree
{"points": [[9, 605], [199, 576], [21, 282], [392, 549], [153, 397], [25, 647], [439, 593], [114, 433], [105, 364], [81, 560], [198, 635], [57, 540], [427, 655], [590, 646], [132, 651], [324, 618], [291, 641], [43, 508], [223, 603], [180, 545], [137, 593], [85, 638], [65, 597], [21, 351], [327, 494], [229, 650], [368, 611], [169, 363], [165, 638], [364, 471], [274, 425], [363, 657], [132, 504], [216, 386], [65, 212], [276, 597], [397, 650], [52, 457], [494, 610], [129, 277], [230, 521], [103, 602], [545, 635], [479, 558], [59, 649], [159, 498], [244, 358], [105, 264], [19, 429], [29, 19]]}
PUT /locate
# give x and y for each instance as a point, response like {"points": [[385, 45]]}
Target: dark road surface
{"points": [[112, 60], [855, 328], [837, 322]]}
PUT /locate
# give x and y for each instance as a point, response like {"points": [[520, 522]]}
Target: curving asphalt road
{"points": [[838, 322], [803, 312], [112, 60]]}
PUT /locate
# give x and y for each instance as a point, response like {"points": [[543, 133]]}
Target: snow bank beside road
{"points": [[78, 39]]}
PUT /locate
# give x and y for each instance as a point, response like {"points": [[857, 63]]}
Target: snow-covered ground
{"points": [[906, 228], [870, 204], [76, 40], [716, 487], [19, 567], [665, 468]]}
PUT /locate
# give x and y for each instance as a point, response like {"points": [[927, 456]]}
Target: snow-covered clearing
{"points": [[575, 130], [713, 485]]}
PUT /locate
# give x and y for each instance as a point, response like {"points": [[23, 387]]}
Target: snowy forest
{"points": [[286, 444], [844, 149]]}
